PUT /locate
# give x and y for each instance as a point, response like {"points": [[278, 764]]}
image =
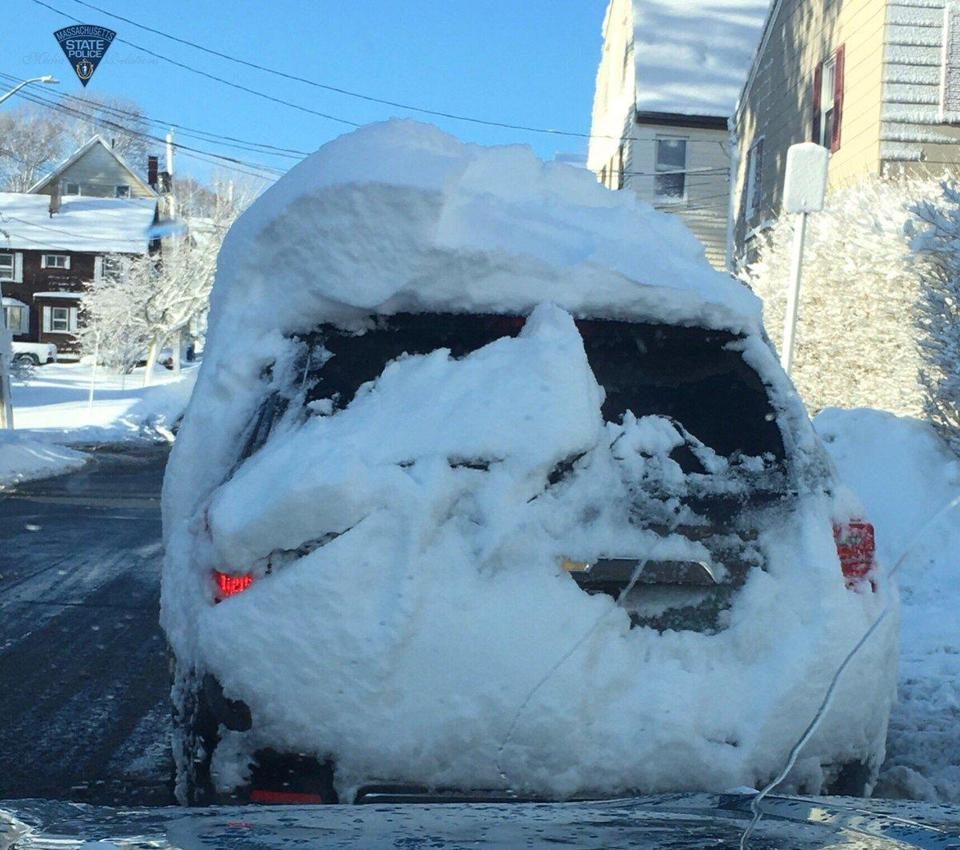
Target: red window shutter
{"points": [[817, 84], [837, 100]]}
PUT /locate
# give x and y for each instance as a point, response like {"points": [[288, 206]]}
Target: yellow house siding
{"points": [[860, 28], [778, 104], [913, 138]]}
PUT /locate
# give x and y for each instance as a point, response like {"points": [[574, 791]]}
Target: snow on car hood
{"points": [[417, 623]]}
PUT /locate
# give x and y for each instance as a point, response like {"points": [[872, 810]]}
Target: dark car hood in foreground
{"points": [[668, 821]]}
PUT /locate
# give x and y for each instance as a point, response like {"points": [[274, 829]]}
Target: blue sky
{"points": [[529, 62]]}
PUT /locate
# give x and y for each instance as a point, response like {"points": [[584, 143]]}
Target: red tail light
{"points": [[856, 546], [259, 795], [228, 585]]}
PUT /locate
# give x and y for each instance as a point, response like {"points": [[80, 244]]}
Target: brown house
{"points": [[45, 259], [55, 238]]}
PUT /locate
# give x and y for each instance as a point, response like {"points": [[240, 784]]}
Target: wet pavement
{"points": [[83, 671]]}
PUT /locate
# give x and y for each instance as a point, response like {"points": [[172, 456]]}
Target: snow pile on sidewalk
{"points": [[54, 401], [51, 410], [905, 476], [23, 458], [416, 621]]}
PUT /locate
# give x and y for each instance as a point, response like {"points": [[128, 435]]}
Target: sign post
{"points": [[804, 188]]}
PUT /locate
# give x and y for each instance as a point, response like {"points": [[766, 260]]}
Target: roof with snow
{"points": [[93, 225], [693, 58]]}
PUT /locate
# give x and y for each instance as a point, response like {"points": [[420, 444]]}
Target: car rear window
{"points": [[696, 376]]}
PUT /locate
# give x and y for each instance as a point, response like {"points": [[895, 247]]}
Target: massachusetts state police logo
{"points": [[84, 45]]}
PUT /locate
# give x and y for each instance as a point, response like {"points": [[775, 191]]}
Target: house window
{"points": [[123, 191], [55, 261], [17, 317], [71, 188], [670, 182], [6, 266], [620, 167], [754, 177], [828, 101], [60, 320]]}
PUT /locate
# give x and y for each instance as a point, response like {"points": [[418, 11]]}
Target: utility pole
{"points": [[6, 338]]}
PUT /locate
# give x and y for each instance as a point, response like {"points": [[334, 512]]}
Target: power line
{"points": [[437, 113], [239, 165], [214, 77], [326, 86], [203, 135]]}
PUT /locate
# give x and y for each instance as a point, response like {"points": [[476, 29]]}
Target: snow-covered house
{"points": [[668, 81], [56, 237], [876, 81], [46, 259]]}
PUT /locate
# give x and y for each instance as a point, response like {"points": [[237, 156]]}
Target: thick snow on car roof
{"points": [[400, 216]]}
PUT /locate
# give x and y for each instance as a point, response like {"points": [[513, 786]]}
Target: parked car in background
{"points": [[34, 353], [514, 499]]}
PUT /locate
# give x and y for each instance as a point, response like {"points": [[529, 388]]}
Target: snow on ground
{"points": [[23, 458], [52, 410], [904, 475], [55, 400]]}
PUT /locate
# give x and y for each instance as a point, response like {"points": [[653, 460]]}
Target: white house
{"points": [[669, 77]]}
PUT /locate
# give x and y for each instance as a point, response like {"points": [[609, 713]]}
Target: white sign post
{"points": [[804, 187]]}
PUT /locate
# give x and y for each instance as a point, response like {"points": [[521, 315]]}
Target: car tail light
{"points": [[856, 546], [228, 585], [261, 795]]}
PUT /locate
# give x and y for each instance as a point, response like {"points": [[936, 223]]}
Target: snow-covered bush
{"points": [[856, 339], [937, 244]]}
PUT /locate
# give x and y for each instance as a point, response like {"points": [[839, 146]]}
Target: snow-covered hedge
{"points": [[938, 311], [856, 340]]}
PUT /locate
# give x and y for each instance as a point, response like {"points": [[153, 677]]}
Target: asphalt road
{"points": [[83, 670]]}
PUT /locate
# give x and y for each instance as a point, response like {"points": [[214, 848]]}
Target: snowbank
{"points": [[905, 476], [416, 621], [24, 458], [54, 402]]}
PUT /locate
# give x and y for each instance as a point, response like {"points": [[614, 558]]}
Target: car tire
{"points": [[854, 779], [195, 737], [26, 359]]}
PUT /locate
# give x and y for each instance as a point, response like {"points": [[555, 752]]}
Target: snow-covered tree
{"points": [[937, 243], [112, 326], [31, 142], [856, 340], [144, 302]]}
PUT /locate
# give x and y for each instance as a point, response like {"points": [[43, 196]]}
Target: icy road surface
{"points": [[83, 673]]}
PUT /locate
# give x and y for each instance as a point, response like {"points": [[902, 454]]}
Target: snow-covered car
{"points": [[34, 353], [514, 497]]}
